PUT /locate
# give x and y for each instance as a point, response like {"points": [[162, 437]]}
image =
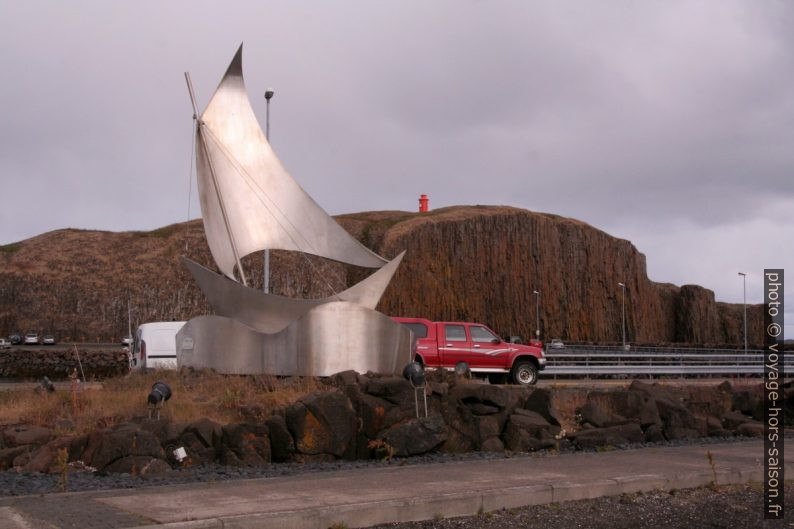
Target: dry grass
{"points": [[221, 398]]}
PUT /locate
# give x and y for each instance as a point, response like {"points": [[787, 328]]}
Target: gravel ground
{"points": [[736, 507], [13, 483]]}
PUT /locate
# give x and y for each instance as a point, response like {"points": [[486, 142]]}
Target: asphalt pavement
{"points": [[366, 497]]}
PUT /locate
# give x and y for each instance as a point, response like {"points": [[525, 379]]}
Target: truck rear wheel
{"points": [[524, 373]]}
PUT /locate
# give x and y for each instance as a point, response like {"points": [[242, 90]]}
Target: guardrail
{"points": [[607, 362]]}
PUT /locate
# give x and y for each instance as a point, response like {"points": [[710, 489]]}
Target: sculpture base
{"points": [[333, 337]]}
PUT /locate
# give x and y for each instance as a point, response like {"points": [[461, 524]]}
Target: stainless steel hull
{"points": [[329, 338]]}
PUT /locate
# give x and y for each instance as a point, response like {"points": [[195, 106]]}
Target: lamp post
{"points": [[623, 311], [266, 283], [537, 313], [744, 288]]}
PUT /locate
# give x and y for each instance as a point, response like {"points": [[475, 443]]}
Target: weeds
{"points": [[195, 395], [382, 449], [713, 466], [62, 464]]}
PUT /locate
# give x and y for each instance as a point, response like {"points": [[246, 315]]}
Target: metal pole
{"points": [[537, 313], [129, 321], [266, 283], [623, 312], [200, 123], [744, 288]]}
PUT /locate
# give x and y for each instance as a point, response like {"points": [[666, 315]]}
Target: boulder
{"points": [[749, 401], [207, 431], [106, 446], [8, 455], [41, 460], [26, 434], [462, 434], [611, 436], [376, 414], [525, 433], [478, 408], [712, 401], [143, 466], [558, 406], [165, 430], [197, 452], [487, 395], [678, 422], [733, 419], [492, 444], [611, 408], [416, 436], [345, 378], [751, 429], [487, 426], [396, 390], [654, 434], [659, 392], [325, 423], [245, 444], [282, 446]]}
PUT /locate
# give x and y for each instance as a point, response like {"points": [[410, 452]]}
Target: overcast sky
{"points": [[667, 123]]}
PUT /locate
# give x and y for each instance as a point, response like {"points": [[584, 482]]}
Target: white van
{"points": [[154, 345]]}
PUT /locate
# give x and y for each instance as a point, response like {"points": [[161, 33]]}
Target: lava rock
{"points": [[325, 423], [282, 446], [106, 446], [245, 444], [612, 436], [416, 436], [25, 434]]}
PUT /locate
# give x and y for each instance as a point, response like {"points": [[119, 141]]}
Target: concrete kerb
{"points": [[461, 504]]}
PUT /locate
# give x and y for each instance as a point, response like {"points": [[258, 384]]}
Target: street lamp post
{"points": [[744, 288], [623, 312], [266, 283], [537, 313]]}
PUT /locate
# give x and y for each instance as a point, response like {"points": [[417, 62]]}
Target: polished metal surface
{"points": [[271, 313], [249, 201], [329, 338]]}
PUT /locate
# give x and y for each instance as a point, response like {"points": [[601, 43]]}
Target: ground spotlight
{"points": [[160, 393], [415, 374]]}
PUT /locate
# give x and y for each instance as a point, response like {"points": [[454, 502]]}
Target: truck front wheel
{"points": [[524, 373]]}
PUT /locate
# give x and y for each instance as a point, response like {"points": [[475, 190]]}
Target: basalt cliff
{"points": [[474, 263]]}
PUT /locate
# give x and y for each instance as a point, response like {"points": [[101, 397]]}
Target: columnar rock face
{"points": [[463, 263]]}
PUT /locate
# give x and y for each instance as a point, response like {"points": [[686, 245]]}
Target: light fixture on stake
{"points": [[160, 393], [415, 374]]}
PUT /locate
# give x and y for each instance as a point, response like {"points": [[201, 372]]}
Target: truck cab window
{"points": [[419, 329], [481, 334], [455, 333]]}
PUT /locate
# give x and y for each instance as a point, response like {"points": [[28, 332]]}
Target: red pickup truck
{"points": [[446, 344]]}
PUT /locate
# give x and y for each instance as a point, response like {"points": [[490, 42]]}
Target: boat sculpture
{"points": [[249, 203]]}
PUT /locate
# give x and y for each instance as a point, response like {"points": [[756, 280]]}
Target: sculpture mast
{"points": [[199, 133]]}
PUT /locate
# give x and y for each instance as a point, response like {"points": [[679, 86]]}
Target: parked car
{"points": [[31, 338], [127, 340], [448, 344], [4, 344], [48, 340], [556, 343], [15, 339]]}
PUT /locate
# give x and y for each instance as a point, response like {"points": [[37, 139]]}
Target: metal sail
{"points": [[249, 202]]}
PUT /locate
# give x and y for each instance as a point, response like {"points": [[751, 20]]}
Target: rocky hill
{"points": [[463, 263]]}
